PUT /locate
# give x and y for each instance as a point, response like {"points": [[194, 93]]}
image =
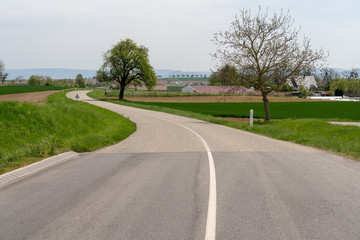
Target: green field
{"points": [[305, 123], [278, 110], [11, 89], [33, 131], [174, 88], [314, 132]]}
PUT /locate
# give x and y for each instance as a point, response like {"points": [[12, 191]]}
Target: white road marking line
{"points": [[210, 232]]}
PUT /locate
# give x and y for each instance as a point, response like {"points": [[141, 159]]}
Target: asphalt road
{"points": [[157, 184]]}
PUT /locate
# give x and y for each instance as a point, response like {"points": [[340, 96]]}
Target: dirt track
{"points": [[34, 97]]}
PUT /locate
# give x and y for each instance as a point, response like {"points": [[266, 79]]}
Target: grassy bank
{"points": [[30, 131], [11, 89], [315, 131]]}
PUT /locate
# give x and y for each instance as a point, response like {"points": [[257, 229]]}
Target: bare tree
{"points": [[19, 79], [352, 74], [326, 76], [266, 50]]}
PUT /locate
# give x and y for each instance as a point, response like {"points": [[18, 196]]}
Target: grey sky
{"points": [[178, 33]]}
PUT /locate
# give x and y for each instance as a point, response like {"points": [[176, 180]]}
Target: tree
{"points": [[19, 79], [34, 80], [127, 63], [326, 76], [3, 75], [352, 74], [49, 81], [226, 75], [79, 81], [266, 50]]}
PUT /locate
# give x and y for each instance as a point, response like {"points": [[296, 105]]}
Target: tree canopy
{"points": [[266, 50], [226, 76], [79, 81], [126, 63]]}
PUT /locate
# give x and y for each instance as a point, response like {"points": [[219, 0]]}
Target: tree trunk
{"points": [[122, 89], [266, 106]]}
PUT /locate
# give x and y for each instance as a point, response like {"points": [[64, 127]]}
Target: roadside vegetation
{"points": [[12, 89], [308, 127], [30, 132]]}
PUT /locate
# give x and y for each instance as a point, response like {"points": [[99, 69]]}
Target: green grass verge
{"points": [[344, 140], [32, 131], [11, 89]]}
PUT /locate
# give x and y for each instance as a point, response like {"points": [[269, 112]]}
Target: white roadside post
{"points": [[251, 117]]}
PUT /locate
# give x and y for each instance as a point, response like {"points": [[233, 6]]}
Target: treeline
{"points": [[347, 82], [48, 81], [349, 87]]}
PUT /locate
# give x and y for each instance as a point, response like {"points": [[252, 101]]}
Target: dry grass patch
{"points": [[33, 97]]}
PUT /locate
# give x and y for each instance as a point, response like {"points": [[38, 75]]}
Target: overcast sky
{"points": [[178, 33]]}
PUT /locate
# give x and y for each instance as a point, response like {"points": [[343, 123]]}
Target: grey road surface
{"points": [[155, 185]]}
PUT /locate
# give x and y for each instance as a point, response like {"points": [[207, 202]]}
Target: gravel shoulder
{"points": [[357, 124]]}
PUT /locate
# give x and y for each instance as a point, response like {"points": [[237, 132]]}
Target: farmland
{"points": [[306, 123], [278, 110], [13, 89]]}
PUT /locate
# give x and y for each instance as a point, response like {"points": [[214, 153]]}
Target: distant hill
{"points": [[61, 73], [54, 73]]}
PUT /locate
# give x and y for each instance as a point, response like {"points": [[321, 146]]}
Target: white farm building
{"points": [[307, 82]]}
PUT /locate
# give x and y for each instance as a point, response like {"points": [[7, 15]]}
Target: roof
{"points": [[306, 81]]}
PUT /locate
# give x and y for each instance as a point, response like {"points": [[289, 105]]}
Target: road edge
{"points": [[28, 170]]}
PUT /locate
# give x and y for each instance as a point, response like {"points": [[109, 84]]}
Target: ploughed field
{"points": [[27, 93]]}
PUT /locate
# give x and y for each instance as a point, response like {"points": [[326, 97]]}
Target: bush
{"points": [[303, 92], [286, 88], [347, 86]]}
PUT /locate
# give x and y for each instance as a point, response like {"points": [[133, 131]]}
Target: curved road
{"points": [[159, 183]]}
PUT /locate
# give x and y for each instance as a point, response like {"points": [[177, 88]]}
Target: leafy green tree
{"points": [[34, 80], [127, 63], [266, 50], [214, 79], [49, 81], [226, 75], [346, 86], [79, 81], [3, 75]]}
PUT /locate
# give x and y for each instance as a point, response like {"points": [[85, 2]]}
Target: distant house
{"points": [[238, 90], [307, 82]]}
